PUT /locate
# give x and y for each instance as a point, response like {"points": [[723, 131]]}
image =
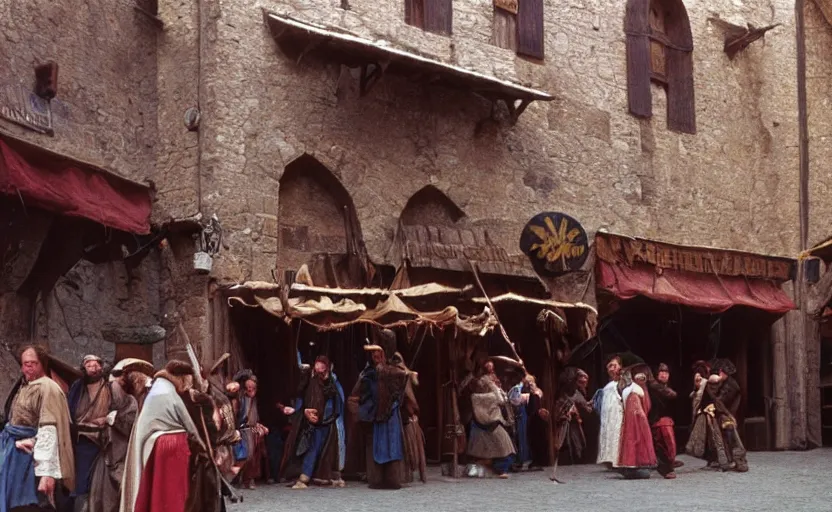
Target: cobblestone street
{"points": [[777, 481]]}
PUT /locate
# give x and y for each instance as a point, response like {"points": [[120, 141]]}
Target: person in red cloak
{"points": [[637, 454]]}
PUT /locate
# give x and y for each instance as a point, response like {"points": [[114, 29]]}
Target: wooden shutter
{"points": [[530, 28], [681, 106], [505, 29], [637, 26], [414, 13], [439, 16]]}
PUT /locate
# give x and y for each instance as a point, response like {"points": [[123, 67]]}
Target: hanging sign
{"points": [[555, 243], [507, 5], [25, 108]]}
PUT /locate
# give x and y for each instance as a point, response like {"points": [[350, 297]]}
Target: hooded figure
{"points": [[414, 438], [313, 448], [382, 402]]}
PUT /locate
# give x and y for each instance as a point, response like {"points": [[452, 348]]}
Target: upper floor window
{"points": [[660, 50], [518, 26], [430, 15]]}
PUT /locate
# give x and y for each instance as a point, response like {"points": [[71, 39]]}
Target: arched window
{"points": [[660, 50]]}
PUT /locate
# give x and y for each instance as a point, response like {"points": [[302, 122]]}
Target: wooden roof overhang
{"points": [[376, 58]]}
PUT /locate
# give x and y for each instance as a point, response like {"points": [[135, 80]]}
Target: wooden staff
{"points": [[494, 311]]}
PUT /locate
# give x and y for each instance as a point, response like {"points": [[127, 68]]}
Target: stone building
{"points": [[322, 132]]}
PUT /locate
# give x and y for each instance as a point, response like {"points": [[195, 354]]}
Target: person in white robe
{"points": [[612, 417]]}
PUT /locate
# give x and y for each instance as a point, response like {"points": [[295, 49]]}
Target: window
{"points": [[660, 50], [658, 43], [518, 26], [430, 15]]}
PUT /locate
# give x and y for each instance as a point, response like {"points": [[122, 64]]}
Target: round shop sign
{"points": [[555, 243]]}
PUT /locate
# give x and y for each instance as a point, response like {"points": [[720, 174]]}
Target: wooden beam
{"points": [[737, 38]]}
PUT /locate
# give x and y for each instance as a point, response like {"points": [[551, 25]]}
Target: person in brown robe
{"points": [[414, 437], [89, 403], [109, 467], [312, 445], [489, 439], [251, 430]]}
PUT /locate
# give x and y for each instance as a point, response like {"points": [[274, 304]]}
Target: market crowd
{"points": [[140, 439]]}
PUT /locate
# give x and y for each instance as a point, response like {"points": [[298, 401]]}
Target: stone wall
{"points": [[105, 109], [733, 184], [92, 298], [819, 93]]}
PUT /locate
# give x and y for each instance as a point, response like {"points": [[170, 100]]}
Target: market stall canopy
{"points": [[64, 186], [378, 57], [707, 279], [336, 308]]}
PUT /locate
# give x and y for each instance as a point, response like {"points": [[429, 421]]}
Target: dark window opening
{"points": [[518, 26], [660, 50], [430, 15], [149, 6], [658, 45]]}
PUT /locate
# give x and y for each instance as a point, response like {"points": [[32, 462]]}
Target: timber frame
{"points": [[374, 59]]}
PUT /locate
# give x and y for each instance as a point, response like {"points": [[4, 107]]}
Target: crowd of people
{"points": [[139, 440]]}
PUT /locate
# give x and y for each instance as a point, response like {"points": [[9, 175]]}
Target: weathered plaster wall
{"points": [[92, 298], [730, 185], [105, 109], [819, 93]]}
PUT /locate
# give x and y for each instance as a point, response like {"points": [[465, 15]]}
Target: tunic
{"points": [[612, 415], [87, 403], [248, 418], [37, 410]]}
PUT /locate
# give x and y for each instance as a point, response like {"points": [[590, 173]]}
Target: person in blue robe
{"points": [[313, 447], [381, 397]]}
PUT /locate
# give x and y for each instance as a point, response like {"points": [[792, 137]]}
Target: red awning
{"points": [[62, 186], [701, 291]]}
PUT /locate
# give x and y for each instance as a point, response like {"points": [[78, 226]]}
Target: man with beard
{"points": [[109, 466], [168, 465], [313, 445], [662, 398], [35, 445], [381, 390], [612, 416], [89, 404], [251, 430]]}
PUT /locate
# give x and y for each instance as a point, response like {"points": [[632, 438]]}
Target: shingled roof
{"points": [[450, 248]]}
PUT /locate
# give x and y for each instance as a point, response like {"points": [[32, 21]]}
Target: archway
{"points": [[318, 226], [430, 206]]}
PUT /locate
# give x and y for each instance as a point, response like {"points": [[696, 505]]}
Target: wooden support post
{"points": [[440, 416], [452, 351], [742, 378], [782, 427]]}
